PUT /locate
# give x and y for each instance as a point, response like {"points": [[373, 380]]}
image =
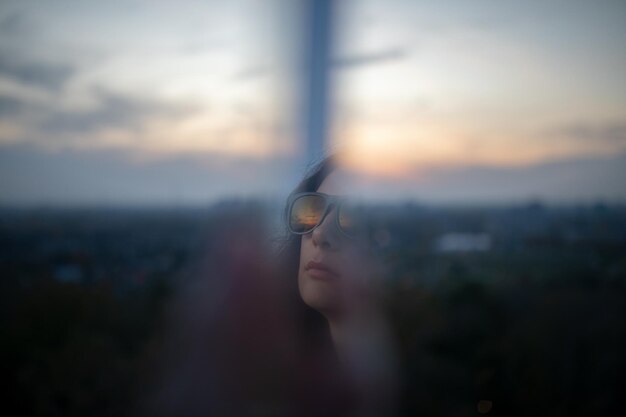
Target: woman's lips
{"points": [[321, 271]]}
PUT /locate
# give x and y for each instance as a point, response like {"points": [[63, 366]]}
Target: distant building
{"points": [[463, 242]]}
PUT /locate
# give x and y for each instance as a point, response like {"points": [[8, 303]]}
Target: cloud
{"points": [[33, 176], [113, 110], [393, 54], [561, 180], [609, 132], [9, 106], [13, 24], [250, 73], [203, 47], [111, 119], [100, 118], [567, 180], [46, 75]]}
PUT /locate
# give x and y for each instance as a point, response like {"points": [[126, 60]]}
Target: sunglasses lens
{"points": [[306, 213], [351, 219]]}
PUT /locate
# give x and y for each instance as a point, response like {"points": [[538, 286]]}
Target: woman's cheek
{"points": [[356, 269]]}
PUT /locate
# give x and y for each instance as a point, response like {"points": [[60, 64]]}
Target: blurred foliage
{"points": [[530, 348], [76, 350], [533, 326]]}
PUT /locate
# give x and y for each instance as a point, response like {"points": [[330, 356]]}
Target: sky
{"points": [[188, 102]]}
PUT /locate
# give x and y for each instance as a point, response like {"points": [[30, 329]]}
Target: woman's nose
{"points": [[325, 235]]}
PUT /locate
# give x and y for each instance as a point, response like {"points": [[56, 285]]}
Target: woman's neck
{"points": [[364, 346], [347, 329]]}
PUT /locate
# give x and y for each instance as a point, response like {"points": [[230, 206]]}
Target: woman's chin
{"points": [[319, 295]]}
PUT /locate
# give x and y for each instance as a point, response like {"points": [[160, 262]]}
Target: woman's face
{"points": [[336, 272]]}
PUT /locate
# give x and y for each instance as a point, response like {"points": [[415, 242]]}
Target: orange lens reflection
{"points": [[306, 213]]}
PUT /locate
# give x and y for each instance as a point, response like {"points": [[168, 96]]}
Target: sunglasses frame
{"points": [[330, 202]]}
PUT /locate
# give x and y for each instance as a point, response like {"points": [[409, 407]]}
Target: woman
{"points": [[235, 347], [333, 253]]}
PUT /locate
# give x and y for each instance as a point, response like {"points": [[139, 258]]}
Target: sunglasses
{"points": [[306, 211]]}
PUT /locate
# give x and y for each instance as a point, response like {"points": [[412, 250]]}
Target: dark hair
{"points": [[312, 326]]}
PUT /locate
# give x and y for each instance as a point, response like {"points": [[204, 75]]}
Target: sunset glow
{"points": [[417, 87]]}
